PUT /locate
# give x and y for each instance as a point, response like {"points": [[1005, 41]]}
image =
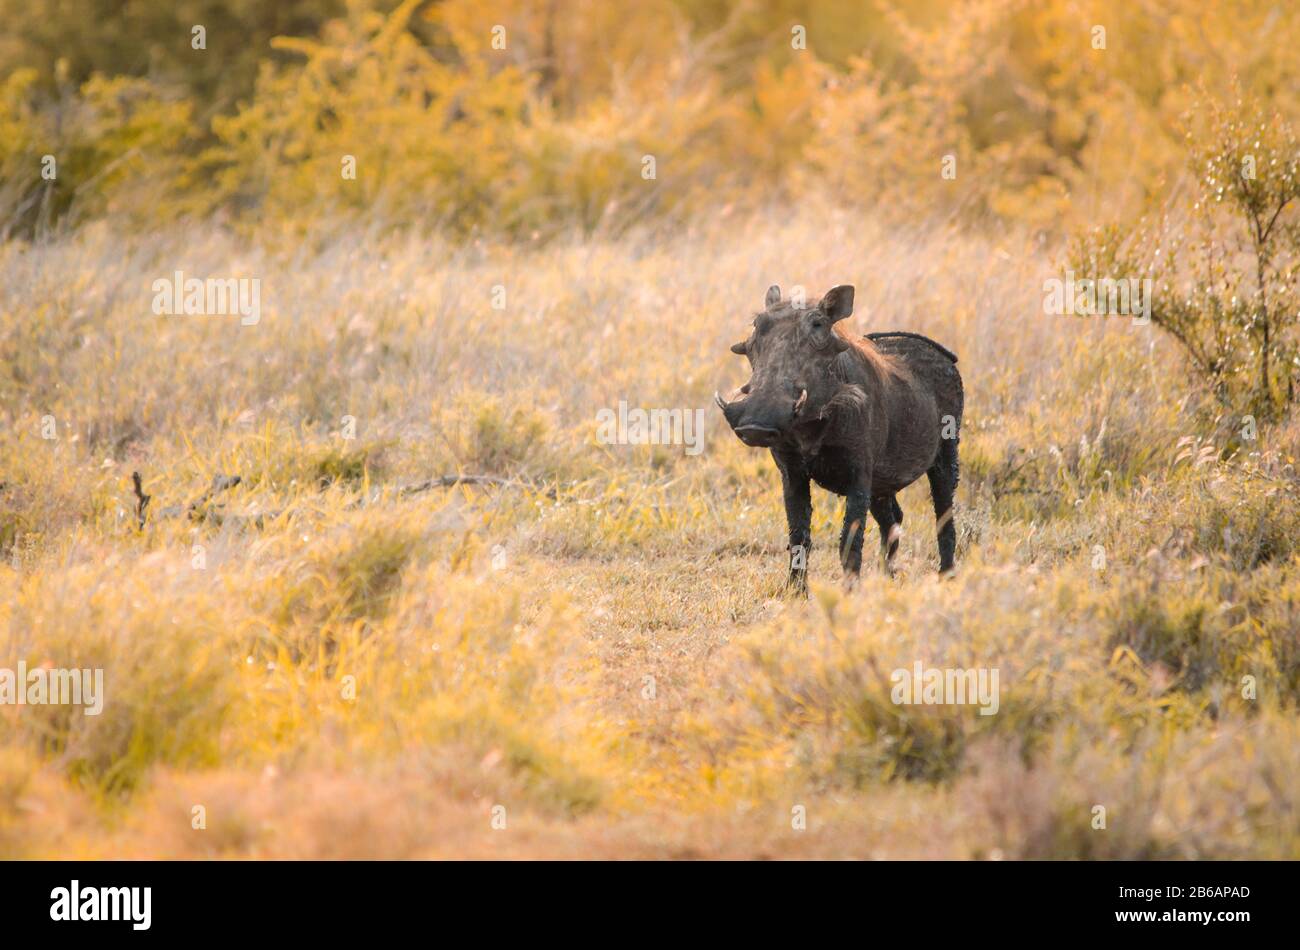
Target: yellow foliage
{"points": [[522, 119]]}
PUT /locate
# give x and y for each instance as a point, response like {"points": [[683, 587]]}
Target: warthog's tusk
{"points": [[718, 399], [803, 398]]}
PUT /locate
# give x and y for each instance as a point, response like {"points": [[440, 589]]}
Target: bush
{"points": [[1225, 276]]}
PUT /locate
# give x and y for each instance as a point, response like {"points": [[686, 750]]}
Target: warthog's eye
{"points": [[816, 333]]}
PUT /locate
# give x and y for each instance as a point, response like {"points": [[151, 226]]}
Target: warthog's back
{"points": [[905, 334], [933, 365]]}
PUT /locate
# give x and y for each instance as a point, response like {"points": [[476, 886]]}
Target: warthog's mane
{"points": [[860, 367], [864, 351]]}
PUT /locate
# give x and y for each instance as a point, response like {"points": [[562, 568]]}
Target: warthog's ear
{"points": [[773, 296], [738, 348], [838, 302]]}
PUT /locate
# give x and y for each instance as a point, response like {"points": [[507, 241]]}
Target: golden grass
{"points": [[602, 646]]}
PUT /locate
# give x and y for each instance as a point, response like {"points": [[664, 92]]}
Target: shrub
{"points": [[1225, 281]]}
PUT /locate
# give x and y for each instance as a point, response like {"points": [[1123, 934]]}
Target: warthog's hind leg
{"points": [[889, 516], [943, 486]]}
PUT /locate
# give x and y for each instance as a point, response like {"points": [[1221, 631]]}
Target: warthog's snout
{"points": [[757, 421], [758, 436]]}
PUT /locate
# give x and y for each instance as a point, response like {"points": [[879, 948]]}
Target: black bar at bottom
{"points": [[333, 900]]}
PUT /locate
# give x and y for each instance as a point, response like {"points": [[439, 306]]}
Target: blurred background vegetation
{"points": [[1121, 126], [550, 132]]}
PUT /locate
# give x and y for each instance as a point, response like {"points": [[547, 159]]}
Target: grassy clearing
{"points": [[333, 667]]}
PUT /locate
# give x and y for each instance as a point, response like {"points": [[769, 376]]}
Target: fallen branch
{"points": [[450, 481], [447, 481], [195, 510], [200, 510]]}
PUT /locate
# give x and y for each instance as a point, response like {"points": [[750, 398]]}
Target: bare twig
{"points": [[141, 501]]}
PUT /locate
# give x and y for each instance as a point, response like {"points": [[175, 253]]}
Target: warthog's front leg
{"points": [[796, 490], [855, 524]]}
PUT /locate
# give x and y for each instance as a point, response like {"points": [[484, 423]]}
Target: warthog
{"points": [[862, 418]]}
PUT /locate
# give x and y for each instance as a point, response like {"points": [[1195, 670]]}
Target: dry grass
{"points": [[502, 642]]}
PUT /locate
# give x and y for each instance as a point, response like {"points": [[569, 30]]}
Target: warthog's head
{"points": [[790, 352]]}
